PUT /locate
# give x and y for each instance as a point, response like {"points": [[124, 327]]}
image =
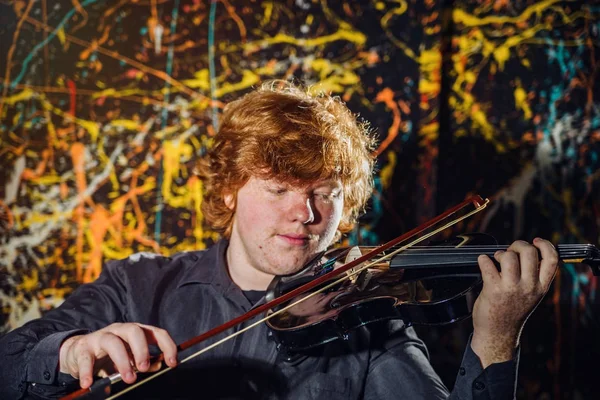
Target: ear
{"points": [[229, 200]]}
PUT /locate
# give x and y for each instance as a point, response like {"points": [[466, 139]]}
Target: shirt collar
{"points": [[207, 267]]}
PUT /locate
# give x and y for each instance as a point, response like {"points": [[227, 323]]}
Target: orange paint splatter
{"points": [[387, 96]]}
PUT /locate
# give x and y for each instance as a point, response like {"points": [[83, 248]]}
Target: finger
{"points": [[114, 346], [529, 262], [489, 273], [164, 341], [510, 271], [155, 366], [135, 338], [549, 263], [85, 369]]}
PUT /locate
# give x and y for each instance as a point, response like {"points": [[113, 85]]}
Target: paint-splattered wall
{"points": [[106, 105]]}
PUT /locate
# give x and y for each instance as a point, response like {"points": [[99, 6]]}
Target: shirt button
{"points": [[462, 371], [479, 385], [47, 375]]}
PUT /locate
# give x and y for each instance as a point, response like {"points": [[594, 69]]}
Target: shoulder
{"points": [[148, 266], [148, 272], [144, 259]]}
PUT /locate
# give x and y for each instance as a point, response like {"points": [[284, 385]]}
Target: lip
{"points": [[295, 239]]}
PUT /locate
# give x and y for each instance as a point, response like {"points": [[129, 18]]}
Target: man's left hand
{"points": [[509, 295]]}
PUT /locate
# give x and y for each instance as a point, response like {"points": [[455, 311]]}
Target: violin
{"points": [[343, 289], [423, 285]]}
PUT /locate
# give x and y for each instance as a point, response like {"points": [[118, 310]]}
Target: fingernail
{"points": [[129, 375], [172, 360], [144, 364]]}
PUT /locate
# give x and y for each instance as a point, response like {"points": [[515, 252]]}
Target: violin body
{"points": [[394, 290]]}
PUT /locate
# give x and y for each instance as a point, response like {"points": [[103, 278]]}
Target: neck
{"points": [[242, 272]]}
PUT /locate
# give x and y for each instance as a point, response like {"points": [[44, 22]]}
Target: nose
{"points": [[303, 210]]}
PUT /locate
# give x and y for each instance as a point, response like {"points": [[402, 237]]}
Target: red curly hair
{"points": [[281, 131]]}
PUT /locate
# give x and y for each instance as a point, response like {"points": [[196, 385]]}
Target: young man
{"points": [[287, 175]]}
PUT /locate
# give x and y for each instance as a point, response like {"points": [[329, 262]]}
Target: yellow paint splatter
{"points": [[61, 35], [355, 37], [521, 101], [127, 124], [174, 151], [29, 283], [459, 15], [387, 172], [24, 95]]}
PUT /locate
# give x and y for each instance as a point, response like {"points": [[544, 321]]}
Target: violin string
{"points": [[560, 246], [490, 248], [419, 251]]}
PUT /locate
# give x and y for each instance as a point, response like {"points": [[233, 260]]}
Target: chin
{"points": [[287, 267]]}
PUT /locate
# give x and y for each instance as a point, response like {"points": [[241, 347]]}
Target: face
{"points": [[278, 228]]}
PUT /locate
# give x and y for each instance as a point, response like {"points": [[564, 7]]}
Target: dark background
{"points": [[106, 105]]}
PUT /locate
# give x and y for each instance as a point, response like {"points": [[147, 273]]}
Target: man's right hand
{"points": [[122, 345]]}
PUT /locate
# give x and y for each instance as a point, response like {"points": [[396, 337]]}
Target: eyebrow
{"points": [[333, 184]]}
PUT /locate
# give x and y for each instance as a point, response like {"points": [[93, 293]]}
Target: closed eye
{"points": [[278, 191], [327, 196]]}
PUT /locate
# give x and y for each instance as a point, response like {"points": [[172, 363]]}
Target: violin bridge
{"points": [[359, 279]]}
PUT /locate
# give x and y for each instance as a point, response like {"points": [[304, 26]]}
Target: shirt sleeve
{"points": [[30, 353], [402, 370], [497, 382]]}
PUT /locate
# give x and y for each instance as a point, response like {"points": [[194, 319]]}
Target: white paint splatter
{"points": [[142, 254], [14, 180], [39, 232], [158, 31]]}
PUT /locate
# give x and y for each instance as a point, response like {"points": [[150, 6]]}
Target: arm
{"points": [[30, 359], [509, 296], [43, 357], [489, 365], [30, 353], [403, 370]]}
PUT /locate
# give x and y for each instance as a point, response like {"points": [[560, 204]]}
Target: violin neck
{"points": [[448, 256], [575, 253]]}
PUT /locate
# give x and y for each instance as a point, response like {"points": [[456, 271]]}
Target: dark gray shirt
{"points": [[191, 293]]}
